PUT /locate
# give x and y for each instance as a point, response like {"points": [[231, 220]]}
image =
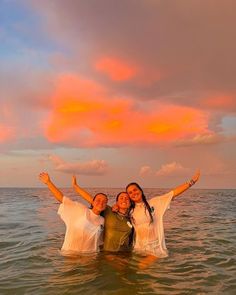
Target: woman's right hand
{"points": [[44, 177]]}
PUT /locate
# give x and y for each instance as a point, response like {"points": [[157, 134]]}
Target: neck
{"points": [[139, 202], [97, 212]]}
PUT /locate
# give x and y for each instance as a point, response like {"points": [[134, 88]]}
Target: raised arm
{"points": [[44, 178], [183, 187], [84, 194]]}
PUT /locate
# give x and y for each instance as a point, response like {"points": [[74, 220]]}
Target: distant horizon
{"points": [[87, 187]]}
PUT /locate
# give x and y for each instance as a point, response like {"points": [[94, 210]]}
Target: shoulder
{"points": [[108, 210], [68, 203], [162, 198]]}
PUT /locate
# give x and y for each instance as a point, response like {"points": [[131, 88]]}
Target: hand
{"points": [[196, 176], [44, 177], [115, 208], [74, 181]]}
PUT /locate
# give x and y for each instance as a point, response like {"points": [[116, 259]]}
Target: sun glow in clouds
{"points": [[84, 115]]}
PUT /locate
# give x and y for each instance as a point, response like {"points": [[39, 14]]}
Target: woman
{"points": [[117, 228], [83, 225], [147, 217]]}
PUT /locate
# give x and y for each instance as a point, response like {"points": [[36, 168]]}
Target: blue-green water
{"points": [[200, 230]]}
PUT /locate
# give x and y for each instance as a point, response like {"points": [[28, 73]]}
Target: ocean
{"points": [[200, 230]]}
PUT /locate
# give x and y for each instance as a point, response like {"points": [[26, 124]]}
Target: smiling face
{"points": [[123, 201], [99, 203], [134, 193]]}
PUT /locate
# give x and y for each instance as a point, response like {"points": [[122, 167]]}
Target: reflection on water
{"points": [[200, 236]]}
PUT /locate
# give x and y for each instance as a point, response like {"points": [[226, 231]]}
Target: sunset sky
{"points": [[118, 91]]}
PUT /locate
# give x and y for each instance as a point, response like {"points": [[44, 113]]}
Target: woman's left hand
{"points": [[115, 208], [74, 181]]}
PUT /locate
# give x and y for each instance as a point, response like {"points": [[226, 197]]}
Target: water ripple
{"points": [[201, 240]]}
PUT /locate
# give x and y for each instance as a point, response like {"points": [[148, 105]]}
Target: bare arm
{"points": [[84, 194], [183, 187], [44, 178]]}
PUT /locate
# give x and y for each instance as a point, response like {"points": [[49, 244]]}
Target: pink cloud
{"points": [[93, 167], [171, 169], [116, 69], [7, 123], [220, 101], [203, 139], [6, 133], [145, 171]]}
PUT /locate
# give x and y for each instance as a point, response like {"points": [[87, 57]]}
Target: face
{"points": [[100, 202], [123, 201], [134, 193]]}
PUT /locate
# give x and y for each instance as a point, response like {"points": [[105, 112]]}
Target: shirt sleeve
{"points": [[69, 209], [162, 203]]}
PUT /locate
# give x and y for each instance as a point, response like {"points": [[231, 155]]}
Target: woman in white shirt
{"points": [[84, 225], [147, 218]]}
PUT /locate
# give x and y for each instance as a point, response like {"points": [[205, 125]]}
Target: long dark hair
{"points": [[144, 199]]}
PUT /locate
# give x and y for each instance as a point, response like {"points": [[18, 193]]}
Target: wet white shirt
{"points": [[149, 237], [83, 227]]}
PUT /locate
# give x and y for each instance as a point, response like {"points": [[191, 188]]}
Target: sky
{"points": [[118, 91]]}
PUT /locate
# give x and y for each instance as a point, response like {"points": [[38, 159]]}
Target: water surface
{"points": [[200, 236]]}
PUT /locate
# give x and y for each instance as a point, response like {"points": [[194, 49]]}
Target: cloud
{"points": [[85, 114], [93, 167], [171, 169], [197, 55], [6, 133], [203, 139], [165, 81], [115, 69], [145, 171], [7, 126], [222, 102]]}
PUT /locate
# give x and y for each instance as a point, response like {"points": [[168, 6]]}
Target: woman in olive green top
{"points": [[118, 230]]}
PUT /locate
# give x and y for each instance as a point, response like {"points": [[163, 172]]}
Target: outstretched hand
{"points": [[44, 177], [196, 176], [74, 181]]}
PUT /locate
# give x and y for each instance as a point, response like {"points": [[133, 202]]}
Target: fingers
{"points": [[196, 176], [44, 177], [73, 179]]}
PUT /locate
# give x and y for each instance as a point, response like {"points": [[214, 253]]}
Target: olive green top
{"points": [[117, 231]]}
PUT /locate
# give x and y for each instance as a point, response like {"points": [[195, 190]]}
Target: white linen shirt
{"points": [[83, 227], [149, 237]]}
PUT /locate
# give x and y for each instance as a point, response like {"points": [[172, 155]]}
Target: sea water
{"points": [[200, 230]]}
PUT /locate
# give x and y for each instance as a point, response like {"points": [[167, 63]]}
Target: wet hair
{"points": [[91, 206], [117, 197], [144, 199], [131, 202]]}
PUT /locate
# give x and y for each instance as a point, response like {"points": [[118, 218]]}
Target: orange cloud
{"points": [[116, 69], [6, 133], [84, 114]]}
